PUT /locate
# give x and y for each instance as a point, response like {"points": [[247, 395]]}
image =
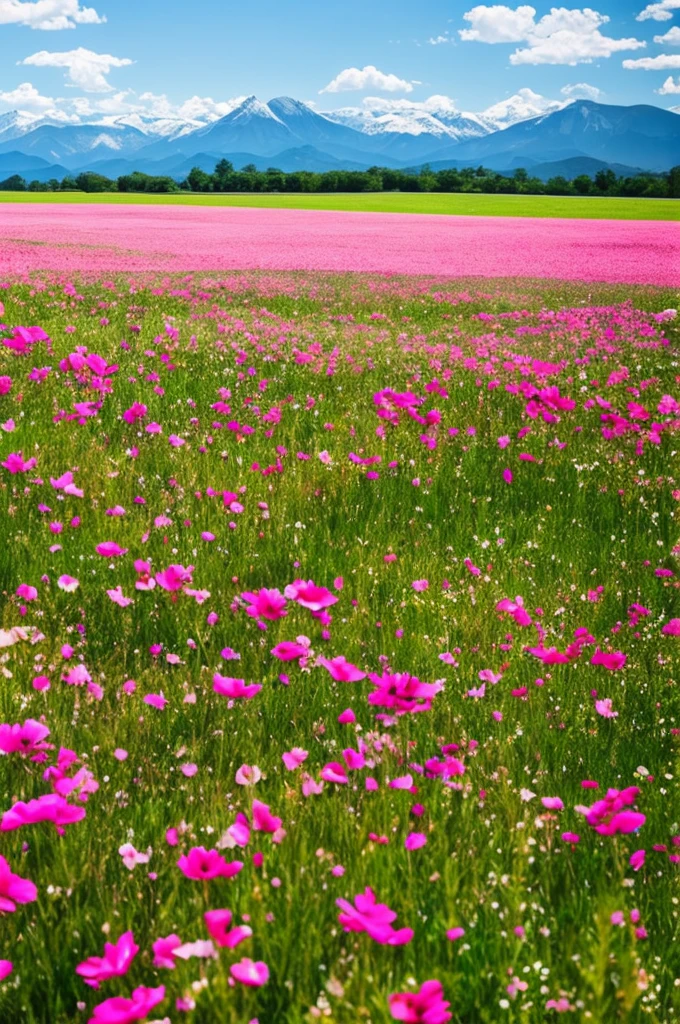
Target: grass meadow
{"points": [[587, 208], [424, 451]]}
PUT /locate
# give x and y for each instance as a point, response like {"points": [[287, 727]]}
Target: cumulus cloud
{"points": [[664, 62], [563, 36], [498, 24], [84, 68], [671, 38], [581, 91], [26, 98], [670, 87], [369, 77], [438, 40], [49, 15], [662, 11]]}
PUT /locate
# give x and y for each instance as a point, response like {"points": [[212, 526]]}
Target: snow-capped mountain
{"points": [[523, 106], [524, 130], [149, 124]]}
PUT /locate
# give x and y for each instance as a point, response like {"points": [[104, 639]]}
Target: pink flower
{"points": [[201, 865], [604, 708], [120, 1010], [373, 918], [613, 661], [552, 803], [290, 650], [420, 585], [672, 628], [109, 549], [218, 924], [23, 739], [426, 1006], [236, 689], [453, 934], [15, 463], [263, 819], [309, 595], [68, 583], [115, 962], [415, 840], [131, 858], [637, 859], [6, 966], [292, 759], [50, 807], [247, 775], [341, 670], [609, 817], [249, 972], [174, 577], [163, 950], [14, 889], [265, 604], [26, 592], [402, 692], [119, 598]]}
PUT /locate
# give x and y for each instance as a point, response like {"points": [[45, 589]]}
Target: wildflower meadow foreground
{"points": [[340, 641]]}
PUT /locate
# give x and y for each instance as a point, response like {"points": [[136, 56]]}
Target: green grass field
{"points": [[236, 426], [392, 202]]}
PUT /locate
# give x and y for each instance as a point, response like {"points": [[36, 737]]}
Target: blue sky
{"points": [[121, 55]]}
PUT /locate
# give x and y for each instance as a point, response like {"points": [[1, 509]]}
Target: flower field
{"points": [[340, 641], [105, 239]]}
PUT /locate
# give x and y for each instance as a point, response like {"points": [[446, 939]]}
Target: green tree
{"points": [[199, 181]]}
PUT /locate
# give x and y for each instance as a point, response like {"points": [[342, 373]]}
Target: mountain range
{"points": [[291, 135]]}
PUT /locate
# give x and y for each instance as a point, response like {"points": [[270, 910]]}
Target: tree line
{"points": [[225, 178]]}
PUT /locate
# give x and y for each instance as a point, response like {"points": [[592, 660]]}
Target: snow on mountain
{"points": [[161, 127], [523, 106]]}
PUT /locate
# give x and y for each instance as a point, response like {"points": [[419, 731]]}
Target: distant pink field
{"points": [[95, 239]]}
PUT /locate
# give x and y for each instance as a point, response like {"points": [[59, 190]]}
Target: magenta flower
{"points": [[120, 1010], [23, 739], [309, 595], [609, 816], [163, 951], [289, 650], [174, 578], [341, 670], [263, 819], [50, 807], [6, 966], [292, 759], [201, 865], [373, 918], [218, 923], [14, 889], [426, 1006], [614, 661], [605, 709], [672, 628], [15, 463], [115, 962], [249, 972], [109, 549], [402, 693], [265, 604], [236, 689]]}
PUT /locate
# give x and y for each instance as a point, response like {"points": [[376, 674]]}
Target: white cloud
{"points": [[49, 15], [581, 91], [670, 87], [84, 68], [438, 40], [26, 98], [498, 24], [564, 36], [671, 38], [369, 77], [664, 62], [662, 11]]}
